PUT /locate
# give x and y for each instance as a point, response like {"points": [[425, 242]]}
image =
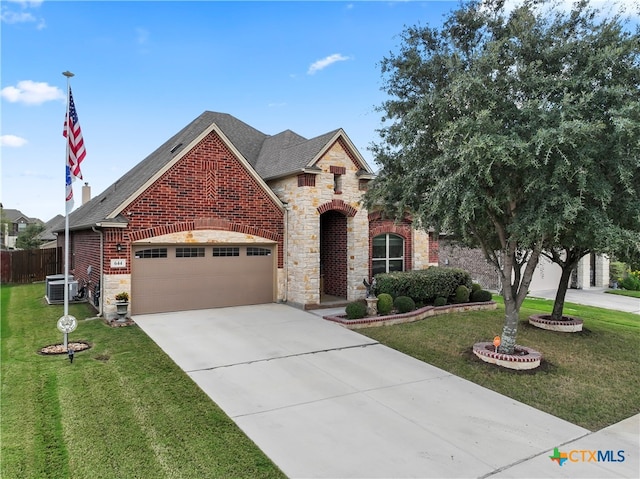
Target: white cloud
{"points": [[12, 141], [27, 3], [10, 16], [325, 62], [31, 93]]}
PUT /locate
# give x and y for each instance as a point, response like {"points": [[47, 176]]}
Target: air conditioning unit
{"points": [[55, 277], [55, 290]]}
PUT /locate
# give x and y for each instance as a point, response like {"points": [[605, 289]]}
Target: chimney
{"points": [[86, 193]]}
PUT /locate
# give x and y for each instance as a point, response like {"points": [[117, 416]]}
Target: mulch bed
{"points": [[114, 323], [77, 346]]}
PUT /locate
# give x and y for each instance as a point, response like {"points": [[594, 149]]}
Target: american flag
{"points": [[76, 143], [69, 190]]}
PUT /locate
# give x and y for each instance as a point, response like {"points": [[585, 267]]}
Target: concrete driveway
{"points": [[322, 401], [593, 297]]}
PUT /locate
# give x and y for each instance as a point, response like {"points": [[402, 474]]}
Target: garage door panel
{"points": [[174, 284]]}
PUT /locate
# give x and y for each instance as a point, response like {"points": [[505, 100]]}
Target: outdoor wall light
{"points": [[118, 247]]}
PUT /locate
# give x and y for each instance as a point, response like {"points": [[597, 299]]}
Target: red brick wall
{"points": [[378, 226], [207, 188], [333, 253]]}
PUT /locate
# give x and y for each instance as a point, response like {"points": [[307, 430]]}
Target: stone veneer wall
{"points": [[472, 260], [302, 256], [422, 250]]}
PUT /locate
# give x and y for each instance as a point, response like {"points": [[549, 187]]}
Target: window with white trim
{"points": [[388, 253]]}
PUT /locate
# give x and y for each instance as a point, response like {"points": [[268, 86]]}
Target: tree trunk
{"points": [[510, 328], [558, 304], [514, 294]]}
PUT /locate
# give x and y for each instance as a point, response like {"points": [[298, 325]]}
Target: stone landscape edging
{"points": [[416, 315], [528, 359], [543, 321]]}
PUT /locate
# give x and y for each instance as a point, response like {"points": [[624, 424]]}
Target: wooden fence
{"points": [[29, 265]]}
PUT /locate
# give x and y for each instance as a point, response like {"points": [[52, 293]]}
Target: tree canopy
{"points": [[505, 129], [28, 239]]}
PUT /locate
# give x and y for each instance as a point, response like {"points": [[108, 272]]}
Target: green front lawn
{"points": [[624, 292], [591, 378], [123, 409]]}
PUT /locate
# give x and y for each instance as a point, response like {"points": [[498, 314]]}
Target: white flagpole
{"points": [[67, 74]]}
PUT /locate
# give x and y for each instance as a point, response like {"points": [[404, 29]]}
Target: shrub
{"points": [[440, 301], [461, 294], [385, 303], [631, 282], [356, 310], [481, 296], [617, 271], [404, 304], [475, 287], [423, 285]]}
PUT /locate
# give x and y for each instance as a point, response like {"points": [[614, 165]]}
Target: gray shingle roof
{"points": [[14, 215], [271, 156], [54, 224], [288, 153]]}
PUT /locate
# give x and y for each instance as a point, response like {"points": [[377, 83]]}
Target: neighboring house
{"points": [[48, 237], [15, 223], [592, 270], [223, 214]]}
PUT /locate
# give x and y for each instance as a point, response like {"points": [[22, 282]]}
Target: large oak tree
{"points": [[506, 128]]}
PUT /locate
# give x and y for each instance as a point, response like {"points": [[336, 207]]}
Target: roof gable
{"points": [[264, 156]]}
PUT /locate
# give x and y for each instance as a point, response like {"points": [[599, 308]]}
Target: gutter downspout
{"points": [[101, 269]]}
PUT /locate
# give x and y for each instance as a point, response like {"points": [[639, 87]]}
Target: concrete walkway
{"points": [[325, 402]]}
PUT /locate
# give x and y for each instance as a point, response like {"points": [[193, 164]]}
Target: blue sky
{"points": [[144, 70]]}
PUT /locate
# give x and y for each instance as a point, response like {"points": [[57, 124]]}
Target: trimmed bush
{"points": [[475, 287], [631, 282], [423, 286], [356, 310], [404, 304], [385, 303], [461, 295], [440, 301], [617, 271], [481, 296]]}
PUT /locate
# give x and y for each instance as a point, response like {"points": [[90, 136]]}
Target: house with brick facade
{"points": [[222, 214]]}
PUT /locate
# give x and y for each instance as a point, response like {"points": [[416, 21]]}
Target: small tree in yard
{"points": [[28, 239], [495, 127]]}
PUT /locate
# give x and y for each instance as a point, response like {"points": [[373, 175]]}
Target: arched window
{"points": [[388, 254]]}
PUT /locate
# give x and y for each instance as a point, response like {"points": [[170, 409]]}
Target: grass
{"points": [[591, 379], [122, 409], [624, 292]]}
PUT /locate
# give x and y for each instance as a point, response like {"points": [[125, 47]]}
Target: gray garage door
{"points": [[181, 277]]}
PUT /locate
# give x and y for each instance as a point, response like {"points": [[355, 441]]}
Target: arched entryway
{"points": [[333, 255]]}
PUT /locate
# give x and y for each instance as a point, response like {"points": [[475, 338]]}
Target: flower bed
{"points": [[416, 315]]}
